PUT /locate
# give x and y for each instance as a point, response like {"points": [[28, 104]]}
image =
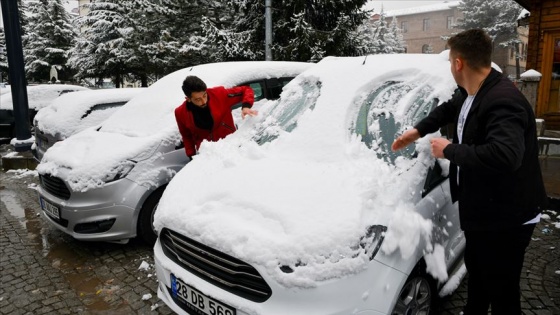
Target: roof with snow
{"points": [[445, 5]]}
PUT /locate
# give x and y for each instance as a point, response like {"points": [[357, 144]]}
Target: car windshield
{"points": [[376, 123], [283, 115]]}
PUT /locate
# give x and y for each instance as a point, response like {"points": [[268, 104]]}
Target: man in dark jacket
{"points": [[206, 112], [494, 173]]}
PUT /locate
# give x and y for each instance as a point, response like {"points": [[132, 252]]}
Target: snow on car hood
{"points": [[145, 122], [39, 96], [306, 198], [71, 113]]}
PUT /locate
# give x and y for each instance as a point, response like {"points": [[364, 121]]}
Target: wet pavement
{"points": [[44, 271]]}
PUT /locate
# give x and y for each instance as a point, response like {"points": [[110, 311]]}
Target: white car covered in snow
{"points": [[306, 210], [38, 96], [71, 113], [104, 183]]}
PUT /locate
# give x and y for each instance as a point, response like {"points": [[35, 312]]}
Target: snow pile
{"points": [[306, 196]]}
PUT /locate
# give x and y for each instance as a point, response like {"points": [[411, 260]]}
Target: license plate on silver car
{"points": [[49, 208], [196, 301]]}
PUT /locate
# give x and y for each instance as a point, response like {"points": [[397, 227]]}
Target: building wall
{"points": [[416, 36], [426, 29]]}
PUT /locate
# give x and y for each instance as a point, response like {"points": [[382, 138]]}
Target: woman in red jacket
{"points": [[206, 113]]}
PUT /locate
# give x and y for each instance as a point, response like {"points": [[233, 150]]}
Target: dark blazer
{"points": [[500, 180]]}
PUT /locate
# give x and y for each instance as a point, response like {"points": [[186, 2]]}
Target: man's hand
{"points": [[438, 144], [247, 111], [405, 139]]}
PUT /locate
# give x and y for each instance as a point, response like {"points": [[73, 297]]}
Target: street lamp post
{"points": [[18, 83], [268, 30]]}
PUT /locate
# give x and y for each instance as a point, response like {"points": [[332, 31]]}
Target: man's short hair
{"points": [[193, 84], [474, 46]]}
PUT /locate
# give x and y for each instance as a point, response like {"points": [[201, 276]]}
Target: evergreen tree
{"points": [[176, 31], [48, 39], [105, 48], [302, 30], [497, 17], [380, 37], [3, 56]]}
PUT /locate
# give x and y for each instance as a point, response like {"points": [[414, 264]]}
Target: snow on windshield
{"points": [[306, 194]]}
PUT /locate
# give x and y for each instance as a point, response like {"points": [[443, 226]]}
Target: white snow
{"points": [[65, 115], [147, 121], [423, 9], [39, 96], [531, 73], [144, 266], [308, 196]]}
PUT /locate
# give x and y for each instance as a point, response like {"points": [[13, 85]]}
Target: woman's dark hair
{"points": [[474, 46], [193, 84]]}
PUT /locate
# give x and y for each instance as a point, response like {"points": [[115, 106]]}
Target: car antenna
{"points": [[364, 60]]}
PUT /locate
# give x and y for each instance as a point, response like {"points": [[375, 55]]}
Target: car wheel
{"points": [[417, 296], [146, 219]]}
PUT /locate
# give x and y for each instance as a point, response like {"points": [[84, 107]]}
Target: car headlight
{"points": [[119, 171], [369, 244]]}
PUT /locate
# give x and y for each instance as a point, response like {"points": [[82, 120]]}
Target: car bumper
{"points": [[109, 213], [373, 292]]}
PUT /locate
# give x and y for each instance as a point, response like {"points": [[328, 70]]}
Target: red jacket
{"points": [[220, 101]]}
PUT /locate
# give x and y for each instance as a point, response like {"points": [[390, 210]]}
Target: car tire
{"points": [[418, 295], [146, 218]]}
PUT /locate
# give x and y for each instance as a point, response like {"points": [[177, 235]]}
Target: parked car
{"points": [[4, 88], [71, 113], [38, 96], [104, 183], [306, 210]]}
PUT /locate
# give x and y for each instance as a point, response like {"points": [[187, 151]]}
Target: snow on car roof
{"points": [[39, 96], [157, 107], [307, 197], [146, 121], [64, 115]]}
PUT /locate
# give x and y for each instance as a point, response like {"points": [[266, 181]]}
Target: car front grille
{"points": [[220, 269], [54, 186]]}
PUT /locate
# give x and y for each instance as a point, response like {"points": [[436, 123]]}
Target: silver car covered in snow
{"points": [[104, 183], [71, 113]]}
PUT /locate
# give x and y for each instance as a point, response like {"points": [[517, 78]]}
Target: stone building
{"points": [[425, 29]]}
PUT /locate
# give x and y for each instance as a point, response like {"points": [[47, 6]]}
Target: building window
{"points": [[426, 25], [404, 26], [450, 22]]}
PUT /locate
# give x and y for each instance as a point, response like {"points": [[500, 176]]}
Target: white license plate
{"points": [[49, 208], [196, 301]]}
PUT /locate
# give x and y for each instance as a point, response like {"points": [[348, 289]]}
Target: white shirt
{"points": [[460, 126]]}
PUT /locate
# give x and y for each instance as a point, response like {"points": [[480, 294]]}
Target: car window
{"points": [[287, 110], [258, 89], [102, 107], [66, 91], [375, 121]]}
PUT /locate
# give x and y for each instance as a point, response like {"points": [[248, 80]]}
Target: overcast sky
{"points": [[398, 4]]}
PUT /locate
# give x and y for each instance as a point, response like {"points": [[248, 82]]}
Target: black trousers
{"points": [[494, 260]]}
